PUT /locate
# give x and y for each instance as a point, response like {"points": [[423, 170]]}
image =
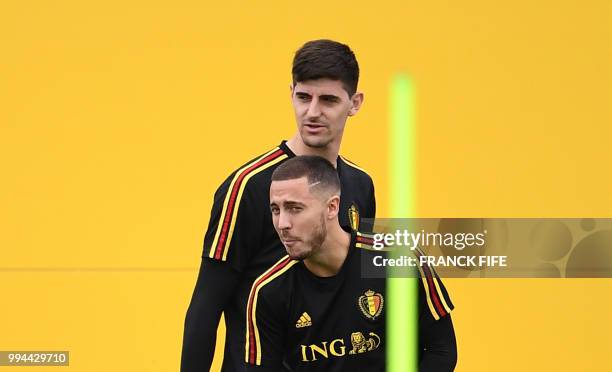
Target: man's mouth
{"points": [[289, 240], [314, 128]]}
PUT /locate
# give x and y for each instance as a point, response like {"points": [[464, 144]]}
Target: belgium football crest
{"points": [[353, 214], [371, 304]]}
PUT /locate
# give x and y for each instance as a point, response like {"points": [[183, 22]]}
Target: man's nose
{"points": [[284, 222], [314, 110]]}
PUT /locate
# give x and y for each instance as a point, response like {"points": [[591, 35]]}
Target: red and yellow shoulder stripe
{"points": [[227, 221], [438, 302], [363, 240], [253, 344]]}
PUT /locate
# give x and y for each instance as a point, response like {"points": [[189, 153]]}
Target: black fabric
{"points": [[253, 247], [336, 316], [214, 287], [438, 346]]}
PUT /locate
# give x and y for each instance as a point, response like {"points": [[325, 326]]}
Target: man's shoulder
{"points": [[267, 154], [264, 160], [258, 169], [353, 169], [274, 284]]}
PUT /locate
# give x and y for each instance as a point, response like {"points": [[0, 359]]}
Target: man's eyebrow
{"points": [[291, 203], [326, 97], [330, 97], [288, 203]]}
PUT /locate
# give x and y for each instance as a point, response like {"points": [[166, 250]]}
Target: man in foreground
{"points": [[240, 242], [313, 310]]}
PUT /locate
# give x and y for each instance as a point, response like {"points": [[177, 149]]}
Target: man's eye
{"points": [[274, 210], [295, 209], [303, 98]]}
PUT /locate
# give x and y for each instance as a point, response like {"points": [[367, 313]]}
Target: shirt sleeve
{"points": [[236, 222], [371, 202], [438, 346], [437, 342], [434, 300], [265, 332], [208, 301], [368, 200]]}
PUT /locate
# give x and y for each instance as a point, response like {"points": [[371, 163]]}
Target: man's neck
{"points": [[332, 254], [329, 152]]}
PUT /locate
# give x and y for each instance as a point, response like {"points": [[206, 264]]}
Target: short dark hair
{"points": [[318, 171], [326, 59]]}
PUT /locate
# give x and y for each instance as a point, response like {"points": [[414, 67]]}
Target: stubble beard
{"points": [[318, 236], [316, 142]]}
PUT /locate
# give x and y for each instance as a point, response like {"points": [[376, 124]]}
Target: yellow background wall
{"points": [[119, 119]]}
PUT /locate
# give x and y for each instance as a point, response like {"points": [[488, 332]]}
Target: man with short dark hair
{"points": [[314, 310], [240, 242]]}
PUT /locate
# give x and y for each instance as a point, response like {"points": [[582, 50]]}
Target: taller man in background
{"points": [[240, 242]]}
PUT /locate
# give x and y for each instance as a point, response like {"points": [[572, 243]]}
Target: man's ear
{"points": [[333, 206], [356, 102], [291, 88]]}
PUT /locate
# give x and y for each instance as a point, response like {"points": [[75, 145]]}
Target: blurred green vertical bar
{"points": [[402, 315]]}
